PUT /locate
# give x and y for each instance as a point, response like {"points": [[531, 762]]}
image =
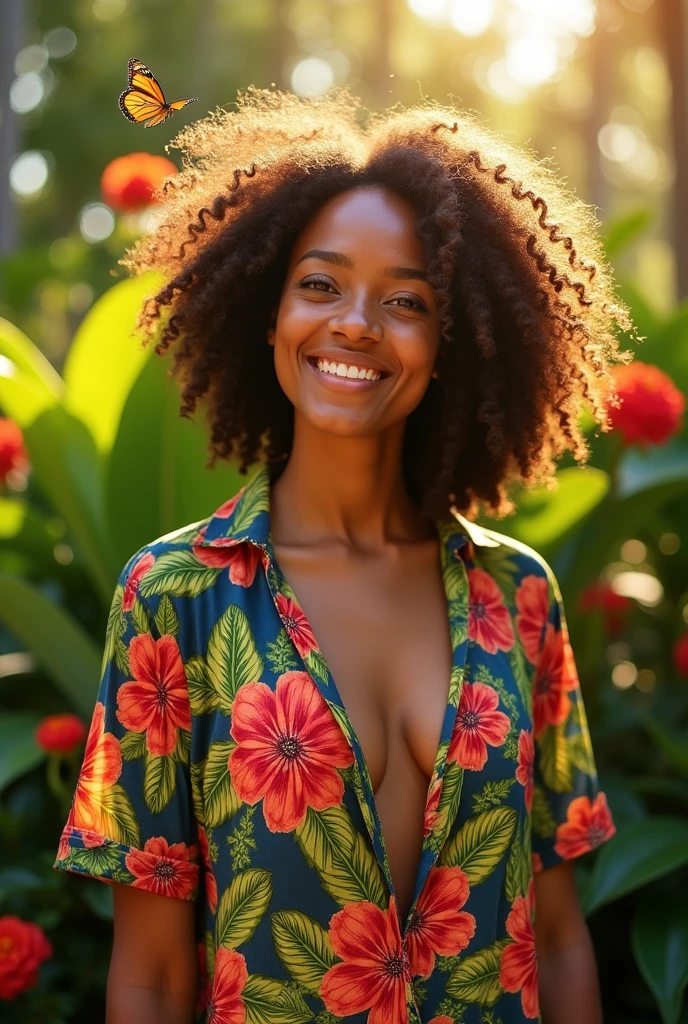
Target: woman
{"points": [[386, 327]]}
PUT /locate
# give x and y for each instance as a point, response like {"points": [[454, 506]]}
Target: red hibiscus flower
{"points": [[587, 826], [128, 182], [136, 574], [289, 748], [165, 870], [210, 880], [375, 971], [241, 558], [431, 808], [518, 971], [489, 621], [600, 596], [296, 625], [60, 734], [555, 674], [23, 948], [477, 723], [225, 1005], [532, 602], [536, 861], [157, 701], [525, 773], [100, 770], [13, 455], [652, 405], [680, 654], [438, 925]]}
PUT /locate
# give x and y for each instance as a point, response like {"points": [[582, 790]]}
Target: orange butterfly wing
{"points": [[143, 100]]}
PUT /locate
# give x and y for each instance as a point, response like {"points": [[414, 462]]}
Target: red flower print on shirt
{"points": [[165, 870], [296, 625], [210, 881], [225, 1005], [241, 559], [442, 1020], [518, 971], [289, 748], [375, 971], [100, 770], [525, 773], [477, 723], [431, 816], [136, 574], [438, 925], [587, 825], [489, 621], [157, 701], [536, 861], [532, 602], [555, 673]]}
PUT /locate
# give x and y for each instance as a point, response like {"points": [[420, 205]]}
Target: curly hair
{"points": [[527, 316]]}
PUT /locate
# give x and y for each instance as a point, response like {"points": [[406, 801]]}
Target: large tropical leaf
{"points": [[545, 517], [659, 937], [29, 360], [19, 752]]}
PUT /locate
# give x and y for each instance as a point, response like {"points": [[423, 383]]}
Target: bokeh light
{"points": [[59, 42], [29, 174], [97, 222], [312, 77]]}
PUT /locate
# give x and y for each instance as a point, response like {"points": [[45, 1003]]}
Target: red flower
{"points": [[532, 602], [375, 971], [518, 971], [242, 559], [60, 734], [680, 653], [442, 1020], [231, 973], [210, 880], [555, 674], [477, 723], [438, 925], [289, 748], [13, 454], [296, 625], [586, 827], [100, 770], [489, 621], [227, 509], [525, 773], [23, 948], [431, 816], [157, 701], [651, 407], [599, 595], [136, 574], [165, 870], [536, 861], [129, 181]]}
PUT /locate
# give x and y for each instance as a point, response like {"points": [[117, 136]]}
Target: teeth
{"points": [[344, 370]]}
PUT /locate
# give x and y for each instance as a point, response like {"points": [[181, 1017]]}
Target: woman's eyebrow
{"points": [[340, 260]]}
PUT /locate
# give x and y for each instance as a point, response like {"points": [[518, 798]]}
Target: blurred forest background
{"points": [[598, 88]]}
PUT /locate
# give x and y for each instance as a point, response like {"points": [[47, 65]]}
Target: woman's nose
{"points": [[356, 320]]}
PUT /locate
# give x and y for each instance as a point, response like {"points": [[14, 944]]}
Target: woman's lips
{"points": [[344, 383]]}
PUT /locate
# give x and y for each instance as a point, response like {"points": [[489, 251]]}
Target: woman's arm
{"points": [[568, 982], [153, 973]]}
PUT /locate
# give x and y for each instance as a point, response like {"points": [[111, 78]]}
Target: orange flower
{"points": [[430, 818], [157, 701], [289, 748], [13, 454], [100, 770], [163, 869], [136, 574], [599, 595], [375, 970], [23, 948], [652, 405], [525, 773], [129, 181], [296, 625], [477, 723], [532, 602], [489, 621], [225, 1005], [518, 971], [241, 558], [438, 925], [60, 734], [680, 653], [587, 825], [555, 674]]}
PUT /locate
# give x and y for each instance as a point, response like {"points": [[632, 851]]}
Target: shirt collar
{"points": [[246, 517]]}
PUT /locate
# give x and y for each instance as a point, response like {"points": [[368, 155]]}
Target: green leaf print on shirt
{"points": [[268, 1001], [179, 573], [476, 978], [480, 843], [233, 657], [159, 781], [346, 864], [242, 906], [303, 946], [219, 796]]}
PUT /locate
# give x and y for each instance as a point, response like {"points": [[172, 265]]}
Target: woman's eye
{"points": [[319, 284], [410, 302]]}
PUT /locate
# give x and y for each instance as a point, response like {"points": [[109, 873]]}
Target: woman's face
{"points": [[356, 295]]}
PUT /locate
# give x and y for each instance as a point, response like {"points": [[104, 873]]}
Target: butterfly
{"points": [[144, 100]]}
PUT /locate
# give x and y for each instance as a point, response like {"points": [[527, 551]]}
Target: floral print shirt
{"points": [[221, 767]]}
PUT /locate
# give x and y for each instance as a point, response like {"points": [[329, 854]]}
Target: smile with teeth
{"points": [[347, 370]]}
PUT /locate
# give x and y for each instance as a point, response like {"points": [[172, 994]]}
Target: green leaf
{"points": [[202, 695], [133, 746], [219, 796], [254, 500], [233, 657], [60, 643], [554, 759], [242, 906], [268, 1001], [303, 946], [178, 573], [450, 794], [120, 822], [476, 978], [139, 616], [544, 824], [518, 867], [346, 864], [166, 620], [547, 517], [480, 843], [640, 852], [29, 360], [659, 937], [19, 753], [159, 781], [317, 667], [621, 231]]}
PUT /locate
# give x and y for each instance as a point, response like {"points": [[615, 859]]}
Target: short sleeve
{"points": [[131, 818], [570, 815]]}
